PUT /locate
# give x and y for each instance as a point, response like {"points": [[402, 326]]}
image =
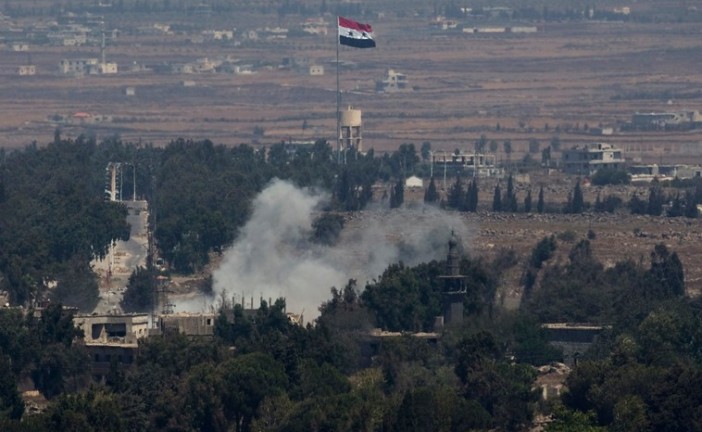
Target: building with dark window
{"points": [[588, 158]]}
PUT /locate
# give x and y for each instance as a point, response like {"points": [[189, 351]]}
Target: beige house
{"points": [[316, 70], [113, 329], [588, 158], [26, 70]]}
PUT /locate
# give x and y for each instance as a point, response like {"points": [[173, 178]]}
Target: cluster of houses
{"points": [[76, 30], [582, 160]]}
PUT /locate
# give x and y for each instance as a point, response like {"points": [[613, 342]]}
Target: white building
{"points": [[469, 164], [86, 66], [218, 35], [106, 68], [588, 158], [76, 66], [316, 26], [26, 70], [522, 29], [20, 47], [316, 70], [414, 182], [393, 82], [663, 119]]}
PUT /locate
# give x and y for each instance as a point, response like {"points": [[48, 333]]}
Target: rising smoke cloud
{"points": [[273, 256]]}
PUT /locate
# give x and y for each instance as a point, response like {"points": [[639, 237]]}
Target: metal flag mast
{"points": [[338, 95], [357, 35]]}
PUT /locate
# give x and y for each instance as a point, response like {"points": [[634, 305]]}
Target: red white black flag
{"points": [[355, 34]]}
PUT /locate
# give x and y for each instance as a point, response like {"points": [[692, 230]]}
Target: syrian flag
{"points": [[355, 34]]}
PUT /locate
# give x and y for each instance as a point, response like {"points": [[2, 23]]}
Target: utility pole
{"points": [[134, 181]]}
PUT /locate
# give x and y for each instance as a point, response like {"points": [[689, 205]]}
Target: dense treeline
{"points": [[646, 363], [54, 220], [336, 375], [284, 377], [40, 348], [262, 372]]}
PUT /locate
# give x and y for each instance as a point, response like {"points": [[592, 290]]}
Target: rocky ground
{"points": [[617, 237]]}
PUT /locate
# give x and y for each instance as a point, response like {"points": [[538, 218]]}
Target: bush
{"points": [[609, 205], [568, 236], [326, 228], [609, 176]]}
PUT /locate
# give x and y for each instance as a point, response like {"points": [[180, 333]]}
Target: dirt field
{"points": [[564, 76], [618, 236]]}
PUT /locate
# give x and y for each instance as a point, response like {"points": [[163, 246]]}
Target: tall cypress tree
{"points": [[540, 203], [527, 202], [473, 197], [691, 206], [577, 204], [431, 195], [655, 199], [497, 199], [397, 195], [509, 202], [676, 209], [456, 195]]}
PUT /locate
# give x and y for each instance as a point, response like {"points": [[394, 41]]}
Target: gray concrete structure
{"points": [[189, 324], [124, 329], [588, 158]]}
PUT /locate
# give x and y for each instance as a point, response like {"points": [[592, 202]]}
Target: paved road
{"points": [[126, 256]]}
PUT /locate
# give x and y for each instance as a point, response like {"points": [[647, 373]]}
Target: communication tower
{"points": [[113, 175]]}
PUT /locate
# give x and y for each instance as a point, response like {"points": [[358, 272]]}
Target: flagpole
{"points": [[338, 96]]}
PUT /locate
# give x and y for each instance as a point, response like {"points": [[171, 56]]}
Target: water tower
{"points": [[350, 132]]}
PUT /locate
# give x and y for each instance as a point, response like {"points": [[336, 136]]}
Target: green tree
{"points": [[666, 273], [637, 205], [507, 147], [610, 203], [11, 403], [676, 209], [431, 195], [503, 390], [555, 143], [141, 291], [565, 420], [481, 144], [497, 199], [527, 202], [576, 203], [655, 199], [609, 176], [94, 410], [546, 156], [509, 201], [472, 196], [327, 228], [246, 381], [691, 210], [405, 298], [397, 195], [456, 196], [542, 252], [426, 150]]}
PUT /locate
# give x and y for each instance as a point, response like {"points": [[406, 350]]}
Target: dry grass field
{"points": [[565, 75]]}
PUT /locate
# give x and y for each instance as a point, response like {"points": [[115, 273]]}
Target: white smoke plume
{"points": [[273, 256]]}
